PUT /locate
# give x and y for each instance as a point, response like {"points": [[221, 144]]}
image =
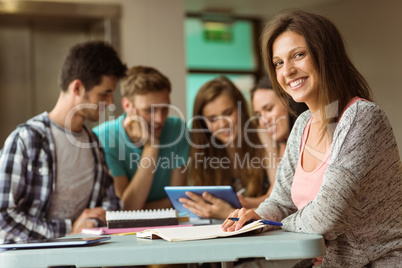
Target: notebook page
{"points": [[197, 232]]}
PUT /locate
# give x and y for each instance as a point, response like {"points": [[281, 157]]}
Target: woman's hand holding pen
{"points": [[243, 214]]}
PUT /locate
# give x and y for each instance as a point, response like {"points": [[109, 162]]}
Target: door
{"points": [[32, 50]]}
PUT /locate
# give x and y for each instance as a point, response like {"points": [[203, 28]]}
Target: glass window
{"points": [[219, 46]]}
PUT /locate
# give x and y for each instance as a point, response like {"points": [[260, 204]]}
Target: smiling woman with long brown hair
{"points": [[341, 174]]}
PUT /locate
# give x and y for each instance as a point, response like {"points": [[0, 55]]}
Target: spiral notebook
{"points": [[141, 218]]}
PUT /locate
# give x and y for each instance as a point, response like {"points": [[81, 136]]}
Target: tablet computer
{"points": [[225, 192], [54, 242]]}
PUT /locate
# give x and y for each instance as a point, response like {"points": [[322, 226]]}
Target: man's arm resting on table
{"points": [[19, 226]]}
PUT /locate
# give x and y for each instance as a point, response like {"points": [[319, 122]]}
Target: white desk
{"points": [[283, 248]]}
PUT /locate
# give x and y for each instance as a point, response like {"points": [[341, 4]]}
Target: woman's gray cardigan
{"points": [[358, 208]]}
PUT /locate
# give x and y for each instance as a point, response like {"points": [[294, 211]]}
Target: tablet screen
{"points": [[224, 192], [54, 242]]}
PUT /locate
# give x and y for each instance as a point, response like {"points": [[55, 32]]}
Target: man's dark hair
{"points": [[263, 83], [88, 62]]}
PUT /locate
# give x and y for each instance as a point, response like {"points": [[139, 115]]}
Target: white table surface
{"points": [[282, 248]]}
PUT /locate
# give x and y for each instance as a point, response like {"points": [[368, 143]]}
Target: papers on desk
{"points": [[196, 232]]}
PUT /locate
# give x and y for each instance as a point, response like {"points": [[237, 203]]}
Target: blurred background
{"points": [[190, 41]]}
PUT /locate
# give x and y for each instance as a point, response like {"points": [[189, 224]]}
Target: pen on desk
{"points": [[263, 221], [128, 233]]}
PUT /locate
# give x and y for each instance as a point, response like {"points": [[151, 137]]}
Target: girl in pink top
{"points": [[341, 174], [305, 185]]}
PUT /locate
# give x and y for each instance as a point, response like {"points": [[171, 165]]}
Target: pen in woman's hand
{"points": [[263, 221]]}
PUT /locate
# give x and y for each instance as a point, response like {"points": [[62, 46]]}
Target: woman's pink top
{"points": [[306, 185]]}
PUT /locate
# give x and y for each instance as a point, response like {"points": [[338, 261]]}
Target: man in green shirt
{"points": [[145, 149]]}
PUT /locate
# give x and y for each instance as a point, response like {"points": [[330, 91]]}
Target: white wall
{"points": [[152, 34], [372, 31]]}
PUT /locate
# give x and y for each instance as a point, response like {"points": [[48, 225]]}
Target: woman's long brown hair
{"points": [[340, 81], [200, 174]]}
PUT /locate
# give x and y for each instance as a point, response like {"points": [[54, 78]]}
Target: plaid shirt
{"points": [[28, 178]]}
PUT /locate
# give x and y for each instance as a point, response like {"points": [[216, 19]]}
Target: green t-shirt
{"points": [[123, 157]]}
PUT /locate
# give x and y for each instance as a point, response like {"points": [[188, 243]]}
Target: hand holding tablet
{"points": [[224, 193]]}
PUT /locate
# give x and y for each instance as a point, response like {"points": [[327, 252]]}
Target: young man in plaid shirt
{"points": [[54, 180]]}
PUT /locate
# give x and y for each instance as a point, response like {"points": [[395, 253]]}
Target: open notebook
{"points": [[196, 232]]}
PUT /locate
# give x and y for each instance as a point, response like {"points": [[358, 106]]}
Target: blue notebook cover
{"points": [[225, 192]]}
